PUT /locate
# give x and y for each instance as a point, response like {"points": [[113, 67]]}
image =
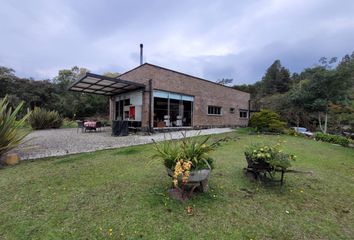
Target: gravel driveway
{"points": [[59, 142]]}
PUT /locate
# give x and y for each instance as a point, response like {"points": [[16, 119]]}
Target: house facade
{"points": [[151, 96]]}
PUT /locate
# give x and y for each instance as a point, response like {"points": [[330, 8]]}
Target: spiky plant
{"points": [[41, 118], [11, 133]]}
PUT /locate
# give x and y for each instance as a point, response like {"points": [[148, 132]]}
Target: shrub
{"points": [[272, 156], [195, 150], [67, 123], [291, 132], [325, 137], [267, 121], [43, 119], [11, 133]]}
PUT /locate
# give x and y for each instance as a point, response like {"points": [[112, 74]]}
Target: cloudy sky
{"points": [[210, 39]]}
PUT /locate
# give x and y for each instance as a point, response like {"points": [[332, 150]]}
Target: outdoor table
{"points": [[90, 125]]}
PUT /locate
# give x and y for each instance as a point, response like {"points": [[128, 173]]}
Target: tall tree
{"points": [[276, 79], [325, 87]]}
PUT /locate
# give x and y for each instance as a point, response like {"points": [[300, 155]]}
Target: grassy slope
{"points": [[73, 197]]}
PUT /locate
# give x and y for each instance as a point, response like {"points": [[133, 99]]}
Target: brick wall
{"points": [[205, 93]]}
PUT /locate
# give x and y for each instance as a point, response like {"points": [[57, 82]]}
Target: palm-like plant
{"points": [[11, 133]]}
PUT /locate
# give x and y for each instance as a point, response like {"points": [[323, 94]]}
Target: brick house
{"points": [[151, 96]]}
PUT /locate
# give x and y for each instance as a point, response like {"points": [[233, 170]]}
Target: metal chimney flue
{"points": [[141, 53]]}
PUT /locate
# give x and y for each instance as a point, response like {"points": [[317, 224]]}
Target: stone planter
{"points": [[199, 177]]}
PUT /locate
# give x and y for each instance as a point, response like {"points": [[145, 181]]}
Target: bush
{"points": [[42, 119], [67, 123], [325, 137], [267, 121], [11, 133], [272, 156], [291, 132]]}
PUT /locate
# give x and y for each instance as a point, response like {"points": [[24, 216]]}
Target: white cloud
{"points": [[211, 39]]}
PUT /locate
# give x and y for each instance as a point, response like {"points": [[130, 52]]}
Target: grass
{"points": [[83, 196]]}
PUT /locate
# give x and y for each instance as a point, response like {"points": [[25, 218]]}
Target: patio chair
{"points": [[80, 124], [99, 126]]}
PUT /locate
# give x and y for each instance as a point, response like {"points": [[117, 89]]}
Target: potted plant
{"points": [[187, 161]]}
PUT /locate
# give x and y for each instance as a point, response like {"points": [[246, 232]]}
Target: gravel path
{"points": [[59, 142]]}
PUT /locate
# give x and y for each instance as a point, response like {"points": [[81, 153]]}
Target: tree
{"points": [[6, 79], [325, 86], [276, 79], [111, 74], [74, 104], [225, 81]]}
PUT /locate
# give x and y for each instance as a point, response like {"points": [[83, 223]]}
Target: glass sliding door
{"points": [[174, 113], [160, 111], [172, 109], [187, 113]]}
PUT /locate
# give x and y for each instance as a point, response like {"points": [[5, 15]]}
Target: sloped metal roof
{"points": [[103, 85]]}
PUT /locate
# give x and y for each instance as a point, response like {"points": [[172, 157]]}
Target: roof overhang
{"points": [[103, 85]]}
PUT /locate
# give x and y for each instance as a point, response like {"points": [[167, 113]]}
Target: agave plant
{"points": [[11, 133]]}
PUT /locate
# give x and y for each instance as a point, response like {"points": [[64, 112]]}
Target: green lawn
{"points": [[83, 196]]}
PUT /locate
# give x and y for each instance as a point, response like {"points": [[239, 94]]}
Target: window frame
{"points": [[242, 111], [214, 110]]}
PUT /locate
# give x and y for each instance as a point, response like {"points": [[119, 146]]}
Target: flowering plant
{"points": [[269, 156], [194, 150], [182, 168], [183, 160]]}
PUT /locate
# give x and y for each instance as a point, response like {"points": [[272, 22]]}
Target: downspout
{"points": [[151, 129]]}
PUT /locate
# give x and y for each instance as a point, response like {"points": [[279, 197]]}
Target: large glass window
{"points": [[160, 110], [172, 109]]}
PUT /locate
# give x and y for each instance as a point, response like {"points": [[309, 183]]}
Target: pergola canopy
{"points": [[103, 85]]}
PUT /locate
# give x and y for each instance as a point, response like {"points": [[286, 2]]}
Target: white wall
{"points": [[136, 99]]}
